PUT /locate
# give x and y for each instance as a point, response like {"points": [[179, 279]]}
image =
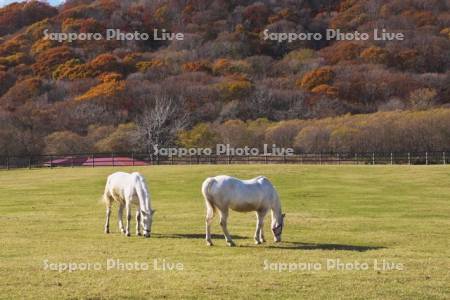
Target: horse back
{"points": [[125, 187], [243, 195]]}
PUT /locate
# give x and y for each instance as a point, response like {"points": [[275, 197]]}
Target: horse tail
{"points": [[106, 199], [206, 191]]}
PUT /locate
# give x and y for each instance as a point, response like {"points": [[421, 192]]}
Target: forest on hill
{"points": [[224, 81]]}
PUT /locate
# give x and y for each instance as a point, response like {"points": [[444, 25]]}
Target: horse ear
{"points": [[283, 215]]}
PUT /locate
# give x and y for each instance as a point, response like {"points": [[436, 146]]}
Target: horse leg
{"points": [[209, 219], [259, 234], [119, 216], [138, 222], [108, 215], [128, 211], [223, 223]]}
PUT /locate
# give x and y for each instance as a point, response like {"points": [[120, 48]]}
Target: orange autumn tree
{"points": [[110, 86], [18, 15], [48, 60], [375, 55], [320, 76], [197, 66], [325, 89], [73, 69], [153, 64], [341, 51], [105, 62], [235, 86]]}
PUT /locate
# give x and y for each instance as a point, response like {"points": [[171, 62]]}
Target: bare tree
{"points": [[159, 124], [261, 102]]}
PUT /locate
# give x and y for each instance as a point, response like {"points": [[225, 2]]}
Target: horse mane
{"points": [[142, 191]]}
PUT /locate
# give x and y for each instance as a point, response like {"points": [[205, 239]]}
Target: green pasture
{"points": [[354, 215]]}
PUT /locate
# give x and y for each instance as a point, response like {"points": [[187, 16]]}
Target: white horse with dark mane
{"points": [[129, 189], [257, 194]]}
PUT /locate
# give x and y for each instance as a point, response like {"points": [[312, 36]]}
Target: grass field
{"points": [[355, 214]]}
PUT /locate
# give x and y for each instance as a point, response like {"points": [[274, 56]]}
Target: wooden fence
{"points": [[141, 159]]}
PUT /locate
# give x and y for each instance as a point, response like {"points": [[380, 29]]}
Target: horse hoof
{"points": [[209, 243], [128, 234], [106, 231], [257, 242], [138, 234], [231, 244]]}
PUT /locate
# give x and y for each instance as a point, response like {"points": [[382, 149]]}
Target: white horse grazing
{"points": [[127, 189], [257, 194]]}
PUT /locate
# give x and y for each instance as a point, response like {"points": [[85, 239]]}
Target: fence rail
{"points": [[142, 159]]}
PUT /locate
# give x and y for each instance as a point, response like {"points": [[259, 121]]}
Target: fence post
{"points": [[71, 161], [7, 162], [320, 158], [443, 158], [93, 160], [112, 157], [392, 159], [356, 158], [132, 158], [51, 161], [409, 158], [373, 158], [426, 158], [29, 163], [339, 159]]}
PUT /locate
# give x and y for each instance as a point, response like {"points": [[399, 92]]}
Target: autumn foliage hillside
{"points": [[54, 93]]}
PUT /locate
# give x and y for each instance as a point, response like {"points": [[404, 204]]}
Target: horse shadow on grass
{"points": [[194, 236], [320, 246], [283, 245]]}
